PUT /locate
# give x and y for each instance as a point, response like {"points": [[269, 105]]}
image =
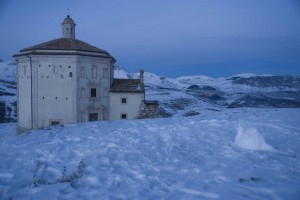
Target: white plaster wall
{"points": [[88, 104], [55, 90], [24, 93], [56, 95], [131, 108]]}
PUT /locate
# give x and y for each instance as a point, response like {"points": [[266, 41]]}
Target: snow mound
{"points": [[250, 138]]}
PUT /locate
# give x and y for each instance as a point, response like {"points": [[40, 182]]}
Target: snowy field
{"points": [[232, 154]]}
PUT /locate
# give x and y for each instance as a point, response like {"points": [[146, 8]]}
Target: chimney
{"points": [[142, 82], [142, 77]]}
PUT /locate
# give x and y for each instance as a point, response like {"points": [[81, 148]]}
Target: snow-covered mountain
{"points": [[121, 72], [188, 95], [8, 91]]}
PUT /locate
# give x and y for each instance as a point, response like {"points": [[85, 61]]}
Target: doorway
{"points": [[93, 117]]}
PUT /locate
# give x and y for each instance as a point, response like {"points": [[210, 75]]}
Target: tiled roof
{"points": [[127, 85], [65, 44]]}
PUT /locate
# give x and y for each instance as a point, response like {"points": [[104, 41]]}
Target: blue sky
{"points": [[170, 37]]}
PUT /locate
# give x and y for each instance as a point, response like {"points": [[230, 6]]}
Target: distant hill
{"points": [[8, 112], [192, 94]]}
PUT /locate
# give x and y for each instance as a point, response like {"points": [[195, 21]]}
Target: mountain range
{"points": [[186, 95]]}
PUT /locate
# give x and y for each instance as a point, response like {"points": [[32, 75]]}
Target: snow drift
{"points": [[250, 138]]}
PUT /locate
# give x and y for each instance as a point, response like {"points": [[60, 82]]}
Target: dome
{"points": [[68, 20]]}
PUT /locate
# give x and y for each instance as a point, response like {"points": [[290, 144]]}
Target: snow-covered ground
{"points": [[233, 154]]}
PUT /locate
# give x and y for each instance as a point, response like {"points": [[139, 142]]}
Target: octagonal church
{"points": [[66, 80]]}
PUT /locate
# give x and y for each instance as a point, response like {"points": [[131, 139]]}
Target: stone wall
{"points": [[149, 109]]}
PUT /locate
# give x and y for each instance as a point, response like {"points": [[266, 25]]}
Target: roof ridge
{"points": [[65, 44]]}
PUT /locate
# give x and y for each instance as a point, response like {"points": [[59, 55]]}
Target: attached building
{"points": [[126, 96]]}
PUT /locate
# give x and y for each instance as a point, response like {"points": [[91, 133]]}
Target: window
{"points": [[93, 92], [93, 117], [70, 74], [105, 92], [82, 92], [105, 73], [24, 68], [82, 72], [94, 71], [54, 123], [123, 100], [82, 117], [123, 116], [54, 68]]}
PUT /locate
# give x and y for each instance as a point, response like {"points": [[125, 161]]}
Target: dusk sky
{"points": [[167, 37]]}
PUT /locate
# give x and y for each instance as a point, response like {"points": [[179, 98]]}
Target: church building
{"points": [[66, 80]]}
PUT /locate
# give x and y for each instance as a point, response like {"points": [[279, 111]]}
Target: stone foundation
{"points": [[148, 109]]}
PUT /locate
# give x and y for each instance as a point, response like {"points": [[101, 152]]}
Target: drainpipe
{"points": [[31, 91]]}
